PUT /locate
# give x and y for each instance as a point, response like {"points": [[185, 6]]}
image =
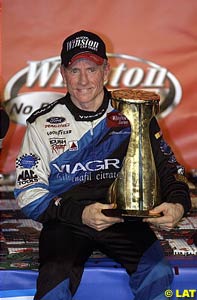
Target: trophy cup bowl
{"points": [[135, 191]]}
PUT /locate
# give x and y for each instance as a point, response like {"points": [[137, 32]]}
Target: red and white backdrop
{"points": [[152, 44]]}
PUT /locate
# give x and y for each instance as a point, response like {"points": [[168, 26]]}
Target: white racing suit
{"points": [[68, 160]]}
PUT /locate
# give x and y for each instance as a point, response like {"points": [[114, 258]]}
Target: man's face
{"points": [[85, 80]]}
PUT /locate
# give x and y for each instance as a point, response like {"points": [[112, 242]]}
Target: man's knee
{"points": [[151, 280]]}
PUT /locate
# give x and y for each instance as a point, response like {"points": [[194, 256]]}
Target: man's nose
{"points": [[83, 78]]}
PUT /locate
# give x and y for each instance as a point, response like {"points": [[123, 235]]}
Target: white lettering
{"points": [[113, 162], [78, 167], [97, 165], [42, 70], [116, 74], [60, 169], [133, 77], [155, 77], [94, 165]]}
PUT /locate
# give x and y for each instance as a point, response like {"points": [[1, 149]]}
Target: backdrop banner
{"points": [[151, 45]]}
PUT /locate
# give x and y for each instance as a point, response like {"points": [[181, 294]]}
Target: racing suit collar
{"points": [[83, 115]]}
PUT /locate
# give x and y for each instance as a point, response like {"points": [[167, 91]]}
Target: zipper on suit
{"points": [[92, 128]]}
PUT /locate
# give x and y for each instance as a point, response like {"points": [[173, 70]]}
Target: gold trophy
{"points": [[136, 189]]}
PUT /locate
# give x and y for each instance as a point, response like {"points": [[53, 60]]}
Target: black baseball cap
{"points": [[83, 44]]}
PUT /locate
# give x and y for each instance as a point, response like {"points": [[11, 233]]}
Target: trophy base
{"points": [[128, 214]]}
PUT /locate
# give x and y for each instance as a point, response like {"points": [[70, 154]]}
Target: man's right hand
{"points": [[93, 217]]}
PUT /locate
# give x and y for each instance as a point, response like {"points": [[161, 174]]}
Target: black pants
{"points": [[65, 248]]}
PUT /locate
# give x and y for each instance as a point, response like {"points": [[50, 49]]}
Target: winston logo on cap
{"points": [[82, 42]]}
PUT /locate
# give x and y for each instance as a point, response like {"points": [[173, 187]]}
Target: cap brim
{"points": [[87, 55]]}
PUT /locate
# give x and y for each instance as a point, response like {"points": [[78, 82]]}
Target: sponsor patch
{"points": [[56, 120], [165, 148], [27, 177], [180, 170], [59, 132], [116, 119], [27, 161], [57, 144], [172, 159], [73, 145], [180, 177], [158, 134]]}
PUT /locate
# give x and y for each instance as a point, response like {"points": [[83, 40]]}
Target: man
{"points": [[70, 155]]}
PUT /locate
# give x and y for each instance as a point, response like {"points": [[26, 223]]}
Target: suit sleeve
{"points": [[173, 183]]}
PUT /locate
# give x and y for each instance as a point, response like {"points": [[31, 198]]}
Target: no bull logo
{"points": [[40, 83]]}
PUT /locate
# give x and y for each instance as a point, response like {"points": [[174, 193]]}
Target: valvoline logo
{"points": [[40, 83]]}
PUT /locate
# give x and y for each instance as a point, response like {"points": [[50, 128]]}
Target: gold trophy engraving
{"points": [[136, 189]]}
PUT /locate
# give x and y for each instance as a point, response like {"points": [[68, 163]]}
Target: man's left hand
{"points": [[171, 215]]}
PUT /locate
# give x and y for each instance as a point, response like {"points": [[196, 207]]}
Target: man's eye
{"points": [[92, 69], [74, 70]]}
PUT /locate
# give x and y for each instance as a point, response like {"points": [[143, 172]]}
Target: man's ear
{"points": [[62, 71]]}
